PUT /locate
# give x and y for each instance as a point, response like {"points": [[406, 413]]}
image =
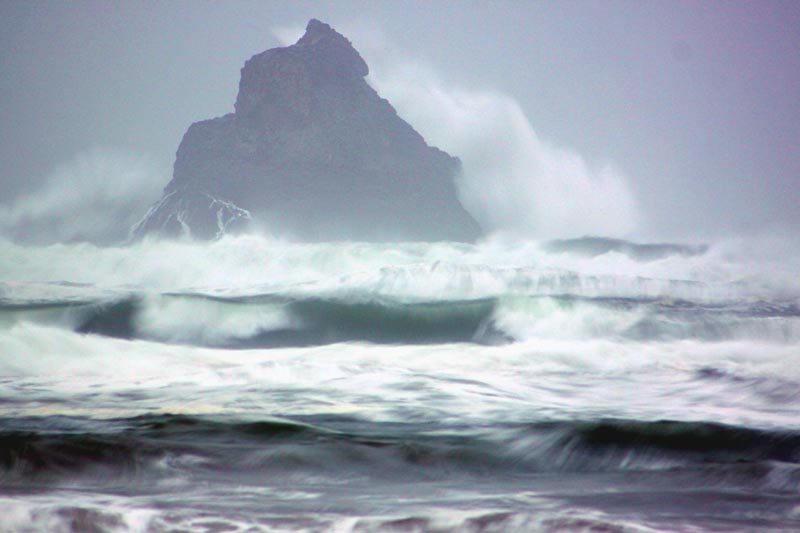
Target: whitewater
{"points": [[256, 384]]}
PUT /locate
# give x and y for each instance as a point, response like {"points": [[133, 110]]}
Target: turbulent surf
{"points": [[251, 384]]}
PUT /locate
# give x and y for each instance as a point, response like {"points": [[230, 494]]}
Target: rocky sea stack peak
{"points": [[330, 45], [313, 153]]}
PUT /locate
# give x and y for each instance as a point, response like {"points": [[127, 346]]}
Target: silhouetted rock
{"points": [[311, 152]]}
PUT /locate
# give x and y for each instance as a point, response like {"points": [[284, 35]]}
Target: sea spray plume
{"points": [[287, 35], [94, 197], [513, 181]]}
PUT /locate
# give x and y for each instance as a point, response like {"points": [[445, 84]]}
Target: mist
{"points": [[96, 197], [648, 122]]}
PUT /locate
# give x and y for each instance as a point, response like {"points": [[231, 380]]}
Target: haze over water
{"points": [[254, 383]]}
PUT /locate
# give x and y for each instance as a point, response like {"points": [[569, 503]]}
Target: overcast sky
{"points": [[696, 104]]}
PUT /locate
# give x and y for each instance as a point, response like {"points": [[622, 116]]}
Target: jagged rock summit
{"points": [[311, 152]]}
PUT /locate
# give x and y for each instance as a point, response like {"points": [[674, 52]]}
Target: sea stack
{"points": [[313, 153]]}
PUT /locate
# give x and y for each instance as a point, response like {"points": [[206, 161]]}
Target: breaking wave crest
{"points": [[251, 292], [274, 320]]}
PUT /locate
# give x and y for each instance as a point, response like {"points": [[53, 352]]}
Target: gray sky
{"points": [[697, 104]]}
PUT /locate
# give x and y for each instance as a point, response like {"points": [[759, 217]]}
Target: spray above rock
{"points": [[314, 153]]}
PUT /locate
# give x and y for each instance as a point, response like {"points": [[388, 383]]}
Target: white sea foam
{"points": [[252, 264], [211, 322], [573, 357], [53, 514], [751, 382]]}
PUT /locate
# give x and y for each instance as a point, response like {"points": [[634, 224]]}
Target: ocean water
{"points": [[260, 385]]}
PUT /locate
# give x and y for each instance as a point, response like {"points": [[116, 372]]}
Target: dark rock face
{"points": [[311, 152]]}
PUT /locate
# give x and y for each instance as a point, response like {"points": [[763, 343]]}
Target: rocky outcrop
{"points": [[311, 152]]}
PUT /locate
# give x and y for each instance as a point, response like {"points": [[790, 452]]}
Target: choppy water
{"points": [[257, 385]]}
